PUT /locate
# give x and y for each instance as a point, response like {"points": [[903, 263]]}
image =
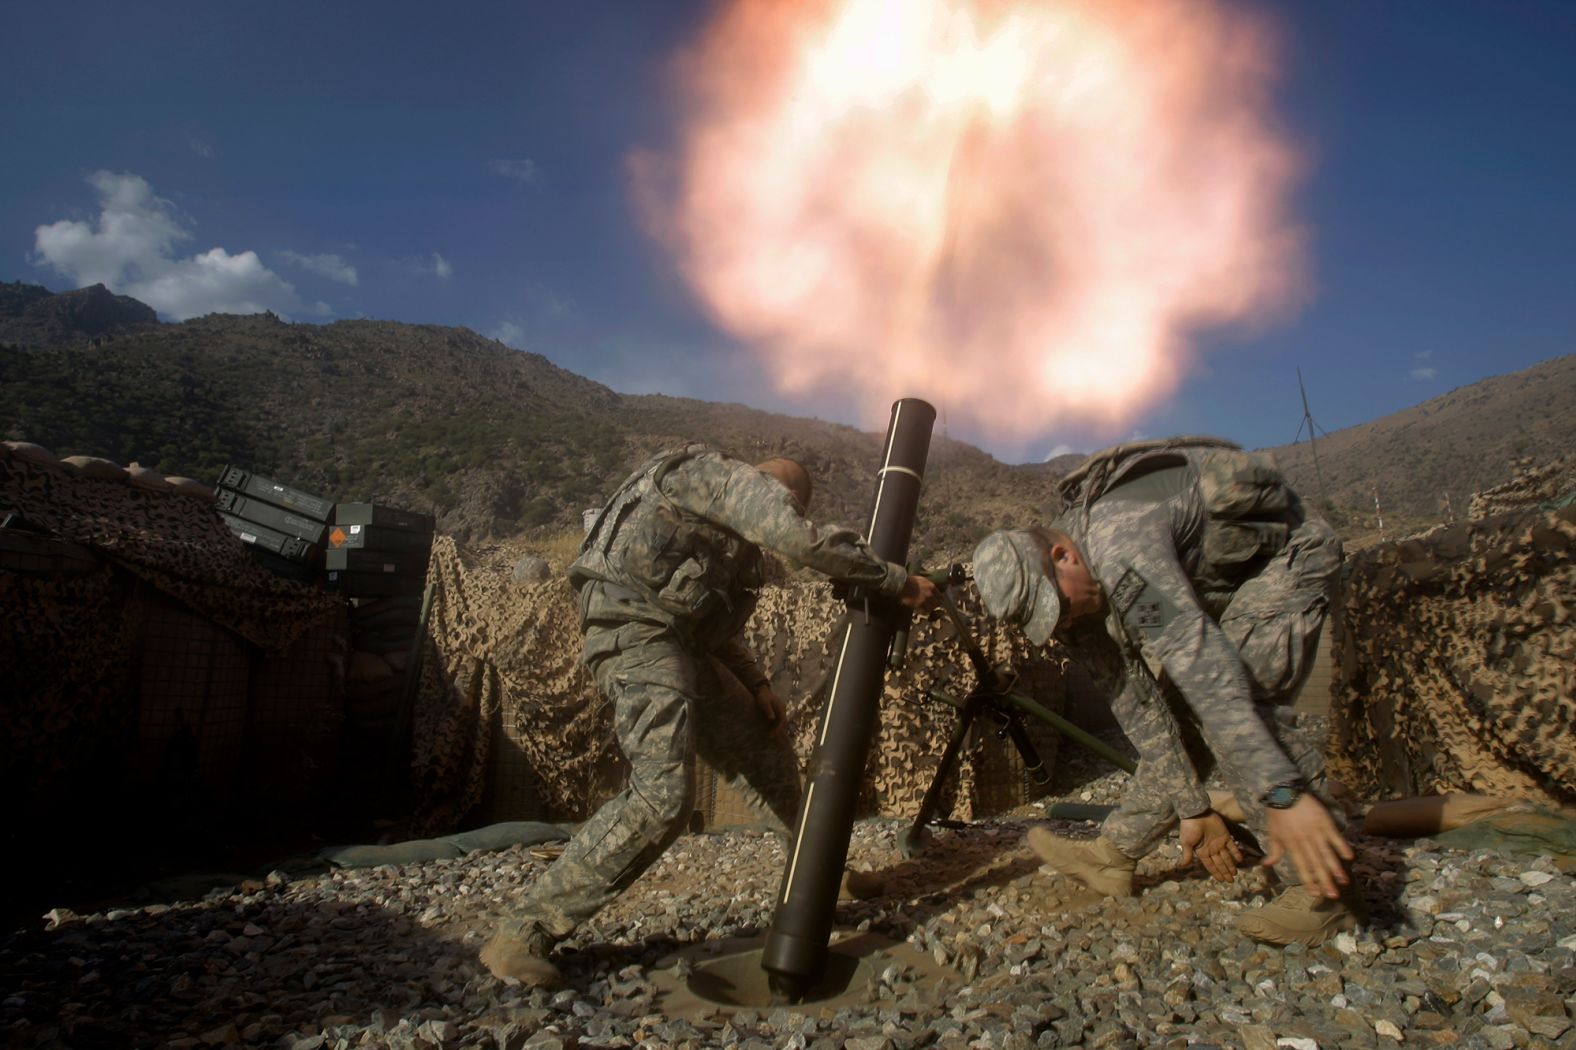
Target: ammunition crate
{"points": [[266, 514], [373, 584], [293, 570], [271, 491], [377, 538], [390, 517], [387, 563], [291, 548]]}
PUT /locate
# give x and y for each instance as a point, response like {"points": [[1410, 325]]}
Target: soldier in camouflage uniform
{"points": [[1188, 579], [667, 577]]}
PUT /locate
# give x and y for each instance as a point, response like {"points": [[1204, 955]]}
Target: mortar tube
{"points": [[795, 953]]}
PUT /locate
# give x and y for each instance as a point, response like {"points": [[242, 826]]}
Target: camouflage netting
{"points": [[502, 670], [176, 543], [505, 655], [79, 664], [1457, 669], [1532, 486]]}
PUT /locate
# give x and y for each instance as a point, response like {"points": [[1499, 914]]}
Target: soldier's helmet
{"points": [[1013, 585]]}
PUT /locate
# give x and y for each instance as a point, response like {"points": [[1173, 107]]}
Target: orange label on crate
{"points": [[337, 537]]}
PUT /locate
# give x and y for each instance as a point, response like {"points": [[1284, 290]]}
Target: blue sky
{"points": [[467, 165]]}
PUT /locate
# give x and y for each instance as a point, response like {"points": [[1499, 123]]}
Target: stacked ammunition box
{"points": [[284, 527], [377, 557], [378, 552]]}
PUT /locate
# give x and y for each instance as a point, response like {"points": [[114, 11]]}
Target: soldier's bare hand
{"points": [[919, 593], [1307, 833], [1208, 838], [774, 709]]}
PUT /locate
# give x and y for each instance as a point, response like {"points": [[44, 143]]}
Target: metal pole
{"points": [[795, 952]]}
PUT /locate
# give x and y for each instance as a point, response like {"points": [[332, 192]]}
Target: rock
{"points": [[1257, 1037], [531, 569]]}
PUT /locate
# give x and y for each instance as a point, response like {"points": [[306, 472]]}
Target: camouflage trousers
{"points": [[670, 702], [1273, 620]]}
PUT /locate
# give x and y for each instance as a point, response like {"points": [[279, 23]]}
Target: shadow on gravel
{"points": [[1380, 875], [230, 969]]}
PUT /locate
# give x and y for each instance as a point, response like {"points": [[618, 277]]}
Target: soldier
{"points": [[667, 577], [1186, 577]]}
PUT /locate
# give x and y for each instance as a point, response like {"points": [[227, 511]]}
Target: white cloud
{"points": [[1060, 450], [1424, 373], [131, 250], [329, 265], [516, 169], [202, 148], [216, 282], [441, 267], [509, 333]]}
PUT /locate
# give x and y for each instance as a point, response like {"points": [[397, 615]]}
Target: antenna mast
{"points": [[1307, 421]]}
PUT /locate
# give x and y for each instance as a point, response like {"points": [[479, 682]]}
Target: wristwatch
{"points": [[1284, 796]]}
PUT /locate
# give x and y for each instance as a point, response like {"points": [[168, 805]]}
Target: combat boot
{"points": [[1300, 917], [1094, 862], [522, 959]]}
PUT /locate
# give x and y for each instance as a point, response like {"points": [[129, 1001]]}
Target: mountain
{"points": [[495, 440], [1446, 448], [34, 316], [498, 441]]}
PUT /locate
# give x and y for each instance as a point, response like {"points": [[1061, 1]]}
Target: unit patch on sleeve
{"points": [[1127, 590]]}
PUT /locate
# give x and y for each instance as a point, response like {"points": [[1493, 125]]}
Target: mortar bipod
{"points": [[993, 694]]}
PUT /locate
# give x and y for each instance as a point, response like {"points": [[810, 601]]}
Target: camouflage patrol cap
{"points": [[1013, 586]]}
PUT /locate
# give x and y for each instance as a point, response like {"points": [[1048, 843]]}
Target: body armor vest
{"points": [[1249, 510], [695, 575]]}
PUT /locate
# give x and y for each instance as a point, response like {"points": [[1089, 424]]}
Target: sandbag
{"points": [[192, 487], [37, 455], [1532, 831], [144, 478], [416, 851], [94, 467], [510, 833]]}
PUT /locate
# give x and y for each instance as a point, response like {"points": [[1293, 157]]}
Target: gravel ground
{"points": [[1466, 949], [1470, 949]]}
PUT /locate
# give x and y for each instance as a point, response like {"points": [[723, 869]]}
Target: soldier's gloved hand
{"points": [[1216, 849], [774, 709], [1308, 833], [919, 593]]}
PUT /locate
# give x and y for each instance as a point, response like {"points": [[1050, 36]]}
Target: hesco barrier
{"points": [[507, 714], [1456, 669]]}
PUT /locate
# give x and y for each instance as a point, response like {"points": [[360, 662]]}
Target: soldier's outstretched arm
{"points": [[737, 496], [1307, 833], [1152, 595]]}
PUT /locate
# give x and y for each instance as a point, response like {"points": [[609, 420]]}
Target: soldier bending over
{"points": [[1186, 577]]}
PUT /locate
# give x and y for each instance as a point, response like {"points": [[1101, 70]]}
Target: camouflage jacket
{"points": [[680, 545], [1146, 545]]}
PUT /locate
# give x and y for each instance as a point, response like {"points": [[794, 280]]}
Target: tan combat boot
{"points": [[522, 959], [1094, 862], [1300, 917]]}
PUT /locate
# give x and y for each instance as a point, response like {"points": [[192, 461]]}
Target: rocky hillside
{"points": [[1445, 448], [497, 441], [500, 442]]}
